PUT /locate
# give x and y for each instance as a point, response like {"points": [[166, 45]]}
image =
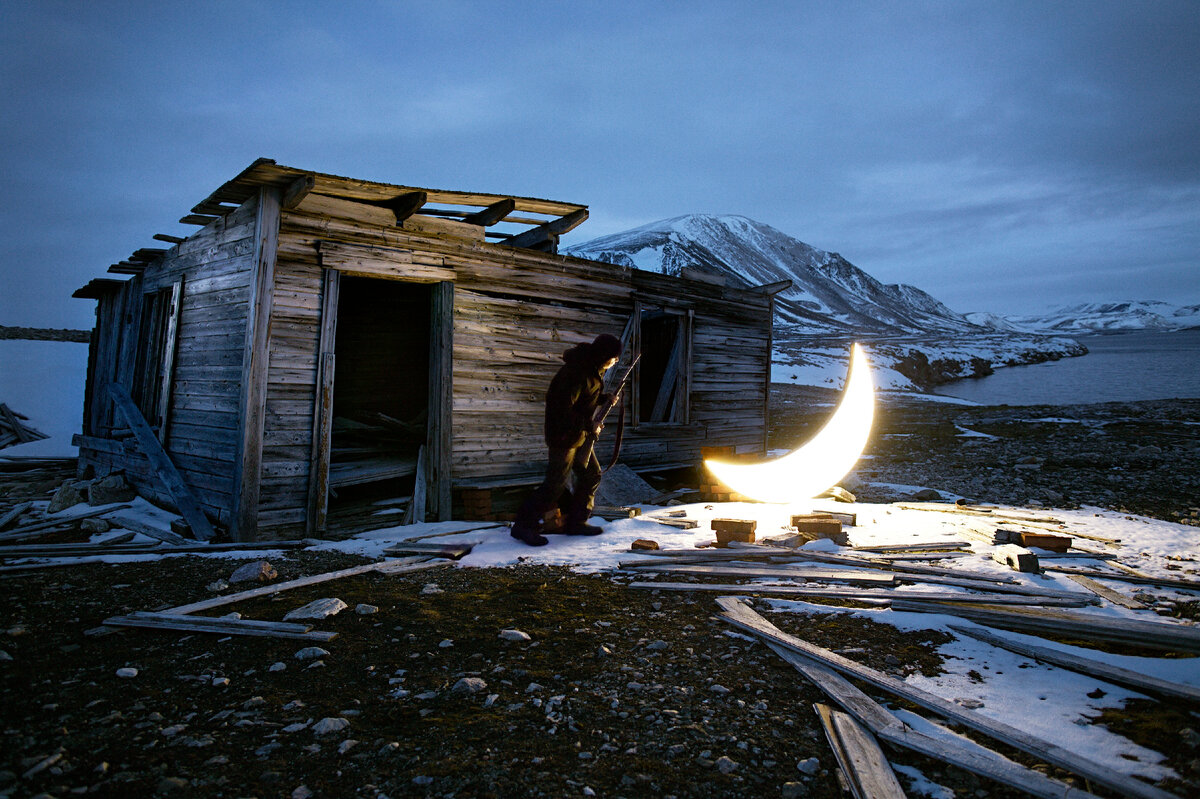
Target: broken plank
{"points": [[12, 515], [888, 727], [1116, 597], [1170, 637], [1085, 665], [819, 575], [860, 595], [452, 532], [139, 526], [37, 527], [261, 629], [740, 615], [927, 547], [164, 468], [863, 763], [872, 563], [386, 567], [682, 524], [451, 551]]}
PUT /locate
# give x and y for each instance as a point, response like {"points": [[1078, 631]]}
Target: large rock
{"points": [[259, 571], [110, 490], [622, 486], [68, 495]]}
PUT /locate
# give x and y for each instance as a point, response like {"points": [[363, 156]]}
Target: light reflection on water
{"points": [[1118, 368]]}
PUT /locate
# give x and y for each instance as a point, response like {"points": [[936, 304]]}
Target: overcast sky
{"points": [[1002, 156]]}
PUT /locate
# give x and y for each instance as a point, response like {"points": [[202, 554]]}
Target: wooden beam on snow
{"points": [[863, 763], [741, 615], [492, 214]]}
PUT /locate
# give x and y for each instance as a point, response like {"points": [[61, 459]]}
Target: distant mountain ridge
{"points": [[1100, 317], [829, 295]]}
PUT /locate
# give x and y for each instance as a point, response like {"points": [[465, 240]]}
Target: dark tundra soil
{"points": [[618, 692]]}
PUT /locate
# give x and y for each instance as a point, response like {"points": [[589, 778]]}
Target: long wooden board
{"points": [[863, 763], [1084, 665], [740, 615], [883, 597], [260, 629]]}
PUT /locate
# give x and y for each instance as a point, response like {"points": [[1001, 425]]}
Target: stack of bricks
{"points": [[734, 530], [717, 491], [819, 525]]}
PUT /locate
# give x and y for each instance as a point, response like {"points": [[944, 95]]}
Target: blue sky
{"points": [[1002, 156]]}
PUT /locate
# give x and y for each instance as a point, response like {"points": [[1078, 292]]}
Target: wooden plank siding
{"points": [[214, 265]]}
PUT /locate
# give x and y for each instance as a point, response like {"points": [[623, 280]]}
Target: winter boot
{"points": [[528, 533], [576, 524]]}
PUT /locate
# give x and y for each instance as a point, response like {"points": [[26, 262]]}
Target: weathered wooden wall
{"points": [[215, 266]]}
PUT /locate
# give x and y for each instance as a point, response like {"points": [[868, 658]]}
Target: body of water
{"points": [[1124, 367]]}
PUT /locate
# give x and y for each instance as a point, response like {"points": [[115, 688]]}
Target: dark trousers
{"points": [[580, 461]]}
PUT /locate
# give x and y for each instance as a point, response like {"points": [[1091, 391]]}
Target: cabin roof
{"points": [[530, 217]]}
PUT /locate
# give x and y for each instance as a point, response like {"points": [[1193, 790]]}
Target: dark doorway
{"points": [[661, 387], [381, 388]]}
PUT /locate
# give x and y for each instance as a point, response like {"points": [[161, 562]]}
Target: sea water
{"points": [[1119, 367]]}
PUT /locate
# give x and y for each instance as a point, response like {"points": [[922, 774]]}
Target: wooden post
{"points": [[439, 442], [167, 367], [318, 482], [255, 360]]}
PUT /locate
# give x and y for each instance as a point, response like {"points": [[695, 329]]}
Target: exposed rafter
{"points": [[493, 213], [545, 237]]}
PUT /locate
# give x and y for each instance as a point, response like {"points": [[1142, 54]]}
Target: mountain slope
{"points": [[1101, 317], [828, 294]]}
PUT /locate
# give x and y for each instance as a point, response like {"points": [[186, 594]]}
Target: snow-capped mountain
{"points": [[1109, 317], [828, 294], [914, 340]]}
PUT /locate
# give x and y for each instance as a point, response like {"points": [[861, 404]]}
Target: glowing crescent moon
{"points": [[805, 472]]}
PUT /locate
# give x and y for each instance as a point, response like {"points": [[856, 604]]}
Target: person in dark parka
{"points": [[571, 402]]}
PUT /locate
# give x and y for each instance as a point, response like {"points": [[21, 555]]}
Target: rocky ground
{"points": [[616, 692]]}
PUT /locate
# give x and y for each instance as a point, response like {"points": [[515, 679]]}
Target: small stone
{"points": [[220, 682], [717, 688], [109, 490], [468, 685], [421, 779], [366, 610], [5, 656], [726, 765], [297, 727], [216, 586], [94, 526], [346, 745], [657, 646], [793, 790], [810, 766], [169, 784], [259, 571], [491, 700], [927, 494], [310, 653], [1190, 737], [277, 667], [328, 725], [302, 792], [431, 588], [533, 688], [173, 730], [445, 643], [968, 703], [127, 672], [318, 609], [891, 660], [514, 635]]}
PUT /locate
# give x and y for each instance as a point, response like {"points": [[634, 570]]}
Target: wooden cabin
{"points": [[319, 335]]}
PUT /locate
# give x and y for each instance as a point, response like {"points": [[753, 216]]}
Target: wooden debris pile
{"points": [[856, 723], [13, 429]]}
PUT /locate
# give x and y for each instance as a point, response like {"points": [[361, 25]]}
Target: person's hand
{"points": [[599, 427]]}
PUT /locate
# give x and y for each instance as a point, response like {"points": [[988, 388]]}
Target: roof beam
{"points": [[296, 191], [168, 239], [493, 213], [544, 236], [402, 205]]}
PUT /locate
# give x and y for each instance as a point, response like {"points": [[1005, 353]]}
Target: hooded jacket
{"points": [[574, 394]]}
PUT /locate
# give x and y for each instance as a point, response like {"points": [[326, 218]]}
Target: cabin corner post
{"points": [[318, 482], [255, 360]]}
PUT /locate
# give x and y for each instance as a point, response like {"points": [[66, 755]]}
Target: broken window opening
{"points": [[662, 388]]}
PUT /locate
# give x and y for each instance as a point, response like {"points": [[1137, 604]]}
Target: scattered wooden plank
{"points": [[1115, 597], [866, 769], [816, 575], [977, 510], [682, 524], [451, 551], [1158, 635], [386, 567], [163, 467], [1085, 665], [63, 521], [14, 514], [875, 563], [740, 615], [1050, 541], [888, 727], [261, 629], [453, 532], [1140, 579], [926, 547], [882, 597], [139, 526]]}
